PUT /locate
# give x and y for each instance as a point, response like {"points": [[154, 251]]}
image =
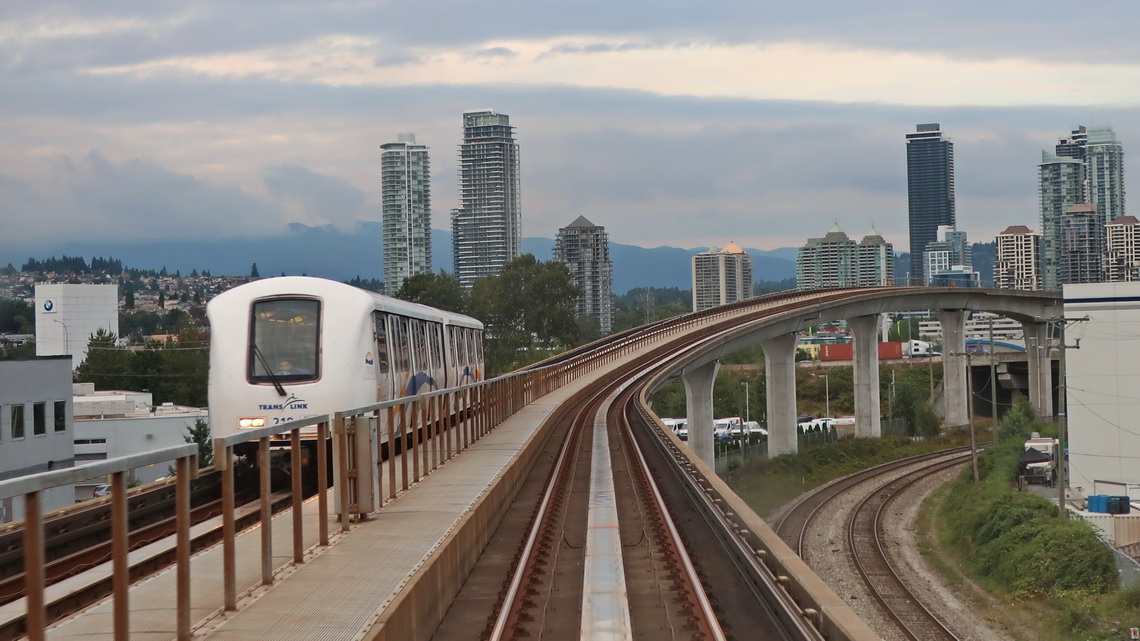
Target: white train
{"points": [[293, 347]]}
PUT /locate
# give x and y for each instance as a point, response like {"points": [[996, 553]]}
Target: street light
{"points": [[66, 338], [826, 394], [747, 418]]}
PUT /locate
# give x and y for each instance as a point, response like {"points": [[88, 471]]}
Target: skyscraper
{"points": [[1016, 265], [486, 229], [1088, 167], [585, 248], [1081, 245], [930, 189], [721, 277], [876, 261], [949, 249], [405, 177]]}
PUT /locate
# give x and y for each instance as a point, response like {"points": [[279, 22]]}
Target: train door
{"points": [[384, 388], [400, 361]]}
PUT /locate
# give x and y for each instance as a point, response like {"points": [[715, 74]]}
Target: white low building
{"points": [[35, 426], [110, 424]]}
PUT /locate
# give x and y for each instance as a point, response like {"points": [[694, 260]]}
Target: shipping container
{"points": [[843, 351]]}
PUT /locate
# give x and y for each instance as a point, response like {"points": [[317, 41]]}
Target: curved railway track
{"points": [[865, 540], [865, 533]]}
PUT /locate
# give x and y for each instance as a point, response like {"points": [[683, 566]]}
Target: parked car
{"points": [[101, 490]]}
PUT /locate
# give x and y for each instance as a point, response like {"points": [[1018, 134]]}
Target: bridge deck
{"points": [[339, 592]]}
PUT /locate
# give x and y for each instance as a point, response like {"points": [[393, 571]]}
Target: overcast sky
{"points": [[671, 123]]}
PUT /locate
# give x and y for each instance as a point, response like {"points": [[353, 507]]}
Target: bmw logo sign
{"points": [[48, 305]]}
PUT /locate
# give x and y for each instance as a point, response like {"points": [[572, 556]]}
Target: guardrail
{"points": [[30, 487]]}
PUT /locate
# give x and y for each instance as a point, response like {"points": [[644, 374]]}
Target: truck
{"points": [[914, 348], [1037, 460]]}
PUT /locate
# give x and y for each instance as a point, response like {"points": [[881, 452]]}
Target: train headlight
{"points": [[246, 423]]}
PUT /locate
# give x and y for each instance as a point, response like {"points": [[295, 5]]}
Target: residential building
{"points": [[486, 229], [405, 177], [930, 189], [1122, 250], [721, 277], [1061, 181], [1080, 245], [585, 248], [1018, 258], [35, 427], [67, 315], [837, 261], [1087, 168], [875, 261], [950, 251]]}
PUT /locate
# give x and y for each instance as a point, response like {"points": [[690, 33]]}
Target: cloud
{"points": [[95, 198], [316, 199], [495, 52]]}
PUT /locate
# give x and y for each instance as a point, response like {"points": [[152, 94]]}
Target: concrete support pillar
{"points": [[1040, 368], [699, 383], [868, 416], [954, 366], [780, 384]]}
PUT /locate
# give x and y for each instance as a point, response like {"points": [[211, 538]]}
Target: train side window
{"points": [[419, 340], [453, 341], [477, 340], [380, 332], [400, 356], [285, 341], [436, 331]]}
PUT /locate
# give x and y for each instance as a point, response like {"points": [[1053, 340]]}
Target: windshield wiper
{"points": [[272, 377]]}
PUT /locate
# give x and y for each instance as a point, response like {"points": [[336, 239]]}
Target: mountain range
{"points": [[340, 255]]}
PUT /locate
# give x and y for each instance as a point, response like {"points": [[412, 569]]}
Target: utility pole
{"points": [[1062, 409], [993, 387], [970, 414]]}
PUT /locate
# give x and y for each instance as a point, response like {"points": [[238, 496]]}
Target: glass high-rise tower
{"points": [[405, 177], [585, 248], [486, 230], [930, 190]]}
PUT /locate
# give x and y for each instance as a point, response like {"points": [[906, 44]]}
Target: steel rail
{"points": [[872, 553]]}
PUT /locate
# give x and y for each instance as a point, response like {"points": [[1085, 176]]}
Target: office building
{"points": [[721, 277], [486, 229], [405, 177], [1102, 379], [67, 315], [1122, 250], [930, 190], [1080, 245], [35, 427], [1016, 265], [585, 248]]}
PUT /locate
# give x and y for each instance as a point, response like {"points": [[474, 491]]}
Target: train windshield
{"points": [[284, 343]]}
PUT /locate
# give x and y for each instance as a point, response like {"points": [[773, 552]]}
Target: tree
{"points": [[441, 291], [129, 300], [199, 433], [529, 309], [253, 272]]}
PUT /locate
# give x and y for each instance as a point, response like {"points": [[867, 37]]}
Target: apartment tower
{"points": [[1122, 250], [1018, 258], [486, 228], [1081, 244], [405, 178], [930, 190], [721, 277], [585, 248]]}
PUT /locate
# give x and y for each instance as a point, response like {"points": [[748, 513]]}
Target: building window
{"points": [[17, 421], [39, 419], [60, 416]]}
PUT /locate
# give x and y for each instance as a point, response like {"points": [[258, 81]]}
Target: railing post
{"points": [[120, 550], [323, 482], [413, 422], [224, 458], [34, 576], [266, 512], [404, 443], [379, 459], [295, 471], [392, 452], [447, 415], [186, 468]]}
